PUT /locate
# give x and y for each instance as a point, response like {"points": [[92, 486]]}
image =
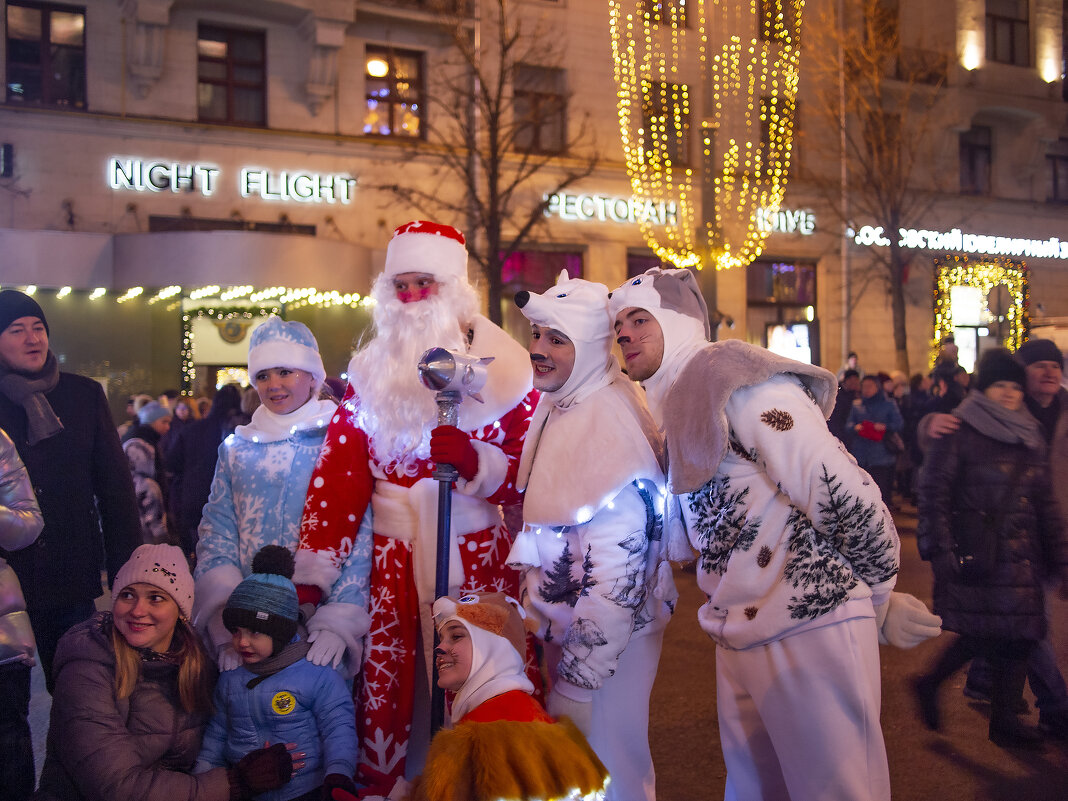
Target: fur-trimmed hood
{"points": [[695, 420]]}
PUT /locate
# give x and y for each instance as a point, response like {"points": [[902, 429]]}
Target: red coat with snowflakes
{"points": [[404, 509]]}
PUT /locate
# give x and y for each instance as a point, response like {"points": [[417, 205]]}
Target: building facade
{"points": [[172, 169]]}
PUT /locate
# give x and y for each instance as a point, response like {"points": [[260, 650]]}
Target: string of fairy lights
{"points": [[748, 81], [984, 275]]}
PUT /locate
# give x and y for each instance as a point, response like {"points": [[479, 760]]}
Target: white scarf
{"points": [[266, 426]]}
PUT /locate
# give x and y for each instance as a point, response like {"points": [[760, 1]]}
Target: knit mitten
{"points": [[338, 782]]}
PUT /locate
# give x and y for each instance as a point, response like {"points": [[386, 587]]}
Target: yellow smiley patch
{"points": [[283, 703]]}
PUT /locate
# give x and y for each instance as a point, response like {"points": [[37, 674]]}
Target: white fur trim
{"points": [[281, 353], [316, 568], [509, 377], [212, 591], [492, 470], [435, 254], [350, 622]]}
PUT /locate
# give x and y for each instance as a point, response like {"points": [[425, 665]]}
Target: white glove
{"points": [[904, 621], [581, 712], [327, 648], [229, 659]]}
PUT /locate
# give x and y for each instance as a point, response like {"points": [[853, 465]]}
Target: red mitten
{"points": [[868, 430], [309, 594], [450, 445]]}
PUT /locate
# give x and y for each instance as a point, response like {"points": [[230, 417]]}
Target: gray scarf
{"points": [[28, 391], [995, 421], [289, 655]]}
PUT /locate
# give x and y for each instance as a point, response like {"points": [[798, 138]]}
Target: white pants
{"points": [[799, 717], [619, 728]]}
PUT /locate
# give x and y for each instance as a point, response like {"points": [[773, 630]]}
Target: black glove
{"points": [[259, 771], [337, 781]]}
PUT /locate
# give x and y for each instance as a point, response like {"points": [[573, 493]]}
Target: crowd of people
{"points": [[984, 458], [275, 624]]}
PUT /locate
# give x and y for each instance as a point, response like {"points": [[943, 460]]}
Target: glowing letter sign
{"points": [[144, 175], [610, 209], [161, 176], [302, 187], [957, 241]]}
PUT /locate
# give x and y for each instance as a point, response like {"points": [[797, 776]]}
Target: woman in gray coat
{"points": [[133, 695]]}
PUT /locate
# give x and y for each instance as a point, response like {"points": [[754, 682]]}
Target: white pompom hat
{"points": [[277, 343], [421, 246]]}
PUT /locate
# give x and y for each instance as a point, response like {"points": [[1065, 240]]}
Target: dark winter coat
{"points": [[191, 462], [969, 471], [83, 486], [142, 747], [879, 409]]}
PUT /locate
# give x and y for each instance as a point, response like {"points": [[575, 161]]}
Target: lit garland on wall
{"points": [[747, 136], [189, 372], [951, 271]]}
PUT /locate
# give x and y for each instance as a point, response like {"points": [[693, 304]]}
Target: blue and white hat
{"points": [[277, 343]]}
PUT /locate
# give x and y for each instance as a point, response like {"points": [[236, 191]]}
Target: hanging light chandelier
{"points": [[743, 83]]}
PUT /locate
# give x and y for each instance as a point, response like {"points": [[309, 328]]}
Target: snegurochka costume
{"points": [[591, 467], [795, 550], [404, 503], [258, 496], [500, 744]]}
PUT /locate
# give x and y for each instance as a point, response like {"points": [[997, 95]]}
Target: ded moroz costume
{"points": [[591, 467], [383, 436], [795, 550]]}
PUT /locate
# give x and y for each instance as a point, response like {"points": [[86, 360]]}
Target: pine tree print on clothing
{"points": [[722, 525], [559, 586], [858, 531], [848, 545]]}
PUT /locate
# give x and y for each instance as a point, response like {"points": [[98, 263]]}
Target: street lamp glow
{"points": [[377, 67]]}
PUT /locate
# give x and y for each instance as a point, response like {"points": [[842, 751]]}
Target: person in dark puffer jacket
{"points": [[132, 698], [1001, 614]]}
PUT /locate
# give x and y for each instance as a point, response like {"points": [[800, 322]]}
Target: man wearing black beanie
{"points": [[62, 428]]}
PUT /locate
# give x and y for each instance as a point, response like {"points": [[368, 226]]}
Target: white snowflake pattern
{"points": [[376, 752]]}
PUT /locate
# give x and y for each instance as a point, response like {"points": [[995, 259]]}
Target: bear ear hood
{"points": [[572, 306], [578, 309]]}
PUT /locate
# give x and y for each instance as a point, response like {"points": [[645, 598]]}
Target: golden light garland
{"points": [[951, 271], [746, 133]]}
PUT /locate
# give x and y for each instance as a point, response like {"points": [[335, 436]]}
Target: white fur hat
{"points": [[421, 246], [277, 343]]}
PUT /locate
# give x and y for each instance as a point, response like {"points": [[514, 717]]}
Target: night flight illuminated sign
{"points": [[957, 241], [296, 186]]}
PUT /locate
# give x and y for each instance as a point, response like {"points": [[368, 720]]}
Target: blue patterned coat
{"points": [[257, 499]]}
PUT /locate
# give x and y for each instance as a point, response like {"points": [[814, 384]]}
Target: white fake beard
{"points": [[396, 411]]}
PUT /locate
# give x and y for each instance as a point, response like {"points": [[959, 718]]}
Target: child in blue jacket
{"points": [[278, 696]]}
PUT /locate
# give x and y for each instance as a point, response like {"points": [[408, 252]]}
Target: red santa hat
{"points": [[421, 246]]}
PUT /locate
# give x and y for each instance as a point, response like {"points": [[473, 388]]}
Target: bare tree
{"points": [[490, 161], [882, 99]]}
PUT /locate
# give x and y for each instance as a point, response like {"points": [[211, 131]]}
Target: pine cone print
{"points": [[777, 419], [764, 557], [750, 612]]}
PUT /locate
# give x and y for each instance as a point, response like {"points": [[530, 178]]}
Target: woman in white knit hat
{"points": [[133, 695], [258, 495]]}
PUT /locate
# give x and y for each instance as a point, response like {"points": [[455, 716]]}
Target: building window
{"points": [[665, 12], [533, 271], [638, 261], [540, 109], [46, 54], [396, 91], [976, 151], [1008, 33], [1057, 190], [666, 121], [778, 19], [231, 76]]}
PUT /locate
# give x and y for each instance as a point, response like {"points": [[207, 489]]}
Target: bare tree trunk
{"points": [[897, 308]]}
